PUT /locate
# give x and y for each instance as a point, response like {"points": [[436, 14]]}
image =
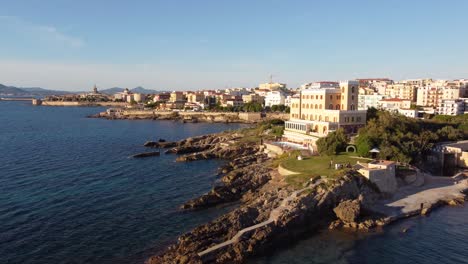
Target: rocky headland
{"points": [[272, 213]]}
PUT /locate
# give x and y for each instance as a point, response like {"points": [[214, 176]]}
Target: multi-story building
{"points": [[316, 112], [429, 96], [373, 82], [234, 101], [406, 91], [195, 97], [271, 86], [366, 101], [253, 98], [451, 107], [162, 97], [237, 91], [177, 97], [451, 92], [275, 98], [394, 104], [322, 84]]}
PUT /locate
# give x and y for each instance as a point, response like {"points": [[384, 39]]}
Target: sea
{"points": [[70, 193]]}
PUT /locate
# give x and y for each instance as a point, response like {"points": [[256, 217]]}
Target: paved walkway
{"points": [[274, 216], [407, 200]]}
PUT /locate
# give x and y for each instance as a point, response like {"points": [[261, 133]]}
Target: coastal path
{"points": [[274, 216]]}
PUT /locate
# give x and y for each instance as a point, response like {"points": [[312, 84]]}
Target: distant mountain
{"points": [[112, 90], [41, 92], [138, 89], [34, 91], [142, 90], [12, 91], [44, 92]]}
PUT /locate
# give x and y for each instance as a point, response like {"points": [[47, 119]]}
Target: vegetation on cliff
{"points": [[404, 139], [334, 143]]}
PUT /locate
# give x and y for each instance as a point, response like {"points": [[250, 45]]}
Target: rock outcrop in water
{"points": [[246, 172], [273, 217]]}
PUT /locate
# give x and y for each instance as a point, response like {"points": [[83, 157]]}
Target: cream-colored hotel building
{"points": [[318, 111]]}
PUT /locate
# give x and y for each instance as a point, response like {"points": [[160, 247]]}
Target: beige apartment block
{"points": [[316, 112]]}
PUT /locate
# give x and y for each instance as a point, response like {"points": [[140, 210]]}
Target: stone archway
{"points": [[352, 147]]}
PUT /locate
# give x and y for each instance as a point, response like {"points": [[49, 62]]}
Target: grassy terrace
{"points": [[315, 166]]}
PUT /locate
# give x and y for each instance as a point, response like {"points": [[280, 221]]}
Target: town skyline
{"points": [[194, 89], [208, 44]]}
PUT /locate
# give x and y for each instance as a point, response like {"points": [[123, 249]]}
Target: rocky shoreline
{"points": [[189, 117], [270, 213], [245, 172]]}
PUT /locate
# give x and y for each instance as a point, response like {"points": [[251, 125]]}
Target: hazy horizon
{"points": [[187, 45]]}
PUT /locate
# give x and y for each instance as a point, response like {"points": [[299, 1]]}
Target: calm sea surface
{"points": [[70, 194]]}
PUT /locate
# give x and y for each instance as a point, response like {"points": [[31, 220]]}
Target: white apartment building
{"points": [[366, 101], [452, 107], [319, 85], [275, 98], [394, 104]]}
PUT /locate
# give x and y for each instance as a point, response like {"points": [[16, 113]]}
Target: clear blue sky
{"points": [[175, 45]]}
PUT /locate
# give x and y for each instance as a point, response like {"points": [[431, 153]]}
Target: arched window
{"points": [[316, 97], [352, 89], [324, 129], [352, 97], [315, 106], [320, 106], [352, 107], [330, 106], [331, 97], [337, 107], [320, 118], [342, 106], [321, 97]]}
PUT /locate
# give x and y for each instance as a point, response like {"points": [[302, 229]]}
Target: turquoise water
{"points": [[70, 194]]}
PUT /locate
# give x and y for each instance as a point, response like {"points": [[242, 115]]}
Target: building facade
{"points": [[451, 107], [366, 101], [316, 112], [275, 98]]}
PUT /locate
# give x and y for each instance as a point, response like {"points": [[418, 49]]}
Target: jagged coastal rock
{"points": [[348, 211], [272, 217], [271, 212], [246, 172]]}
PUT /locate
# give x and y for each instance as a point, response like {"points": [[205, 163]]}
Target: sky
{"points": [[215, 44]]}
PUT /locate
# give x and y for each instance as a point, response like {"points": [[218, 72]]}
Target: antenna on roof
{"points": [[271, 78]]}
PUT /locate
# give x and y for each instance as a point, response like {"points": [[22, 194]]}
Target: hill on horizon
{"points": [[31, 91], [38, 91], [138, 89]]}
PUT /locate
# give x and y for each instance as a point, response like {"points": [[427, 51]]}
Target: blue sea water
{"points": [[70, 194]]}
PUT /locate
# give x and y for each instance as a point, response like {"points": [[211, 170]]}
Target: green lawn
{"points": [[316, 166]]}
